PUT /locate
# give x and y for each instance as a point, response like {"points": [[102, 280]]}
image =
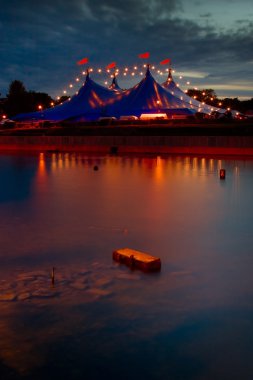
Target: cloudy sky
{"points": [[210, 43]]}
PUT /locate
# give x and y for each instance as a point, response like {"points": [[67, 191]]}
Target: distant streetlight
{"points": [[40, 107]]}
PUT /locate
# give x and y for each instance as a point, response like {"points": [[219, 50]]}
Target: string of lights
{"points": [[124, 72]]}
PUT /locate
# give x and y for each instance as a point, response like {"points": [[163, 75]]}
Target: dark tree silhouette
{"points": [[19, 100]]}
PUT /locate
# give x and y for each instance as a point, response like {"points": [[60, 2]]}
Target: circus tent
{"points": [[90, 101], [94, 101], [148, 96]]}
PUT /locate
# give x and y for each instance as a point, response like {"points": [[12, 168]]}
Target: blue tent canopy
{"points": [[90, 101], [148, 96], [94, 101]]}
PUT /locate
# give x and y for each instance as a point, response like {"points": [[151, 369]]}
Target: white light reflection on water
{"points": [[192, 320]]}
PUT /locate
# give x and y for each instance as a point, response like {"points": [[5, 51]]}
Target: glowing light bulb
{"points": [[64, 91], [135, 67], [99, 70], [77, 79], [188, 82], [71, 85]]}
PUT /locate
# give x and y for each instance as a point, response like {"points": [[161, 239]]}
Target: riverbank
{"points": [[202, 139]]}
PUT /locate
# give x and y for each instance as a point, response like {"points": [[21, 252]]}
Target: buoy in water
{"points": [[222, 173]]}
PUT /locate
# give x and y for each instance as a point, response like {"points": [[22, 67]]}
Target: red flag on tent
{"points": [[144, 55], [165, 61], [82, 61], [111, 65]]}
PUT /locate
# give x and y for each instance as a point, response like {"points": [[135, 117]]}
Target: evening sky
{"points": [[210, 43]]}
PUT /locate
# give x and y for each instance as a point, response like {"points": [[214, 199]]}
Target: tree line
{"points": [[19, 100]]}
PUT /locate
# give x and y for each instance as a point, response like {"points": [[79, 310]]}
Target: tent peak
{"points": [[114, 85], [170, 78], [148, 73]]}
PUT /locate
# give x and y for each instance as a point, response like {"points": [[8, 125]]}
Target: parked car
{"points": [[7, 123]]}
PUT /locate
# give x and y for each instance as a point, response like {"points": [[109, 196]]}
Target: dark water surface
{"points": [[193, 320]]}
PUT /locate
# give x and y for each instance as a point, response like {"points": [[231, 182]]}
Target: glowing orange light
{"points": [[52, 104], [40, 107], [4, 117]]}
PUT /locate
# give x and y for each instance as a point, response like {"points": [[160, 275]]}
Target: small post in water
{"points": [[52, 276]]}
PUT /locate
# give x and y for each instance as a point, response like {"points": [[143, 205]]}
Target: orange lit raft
{"points": [[137, 259]]}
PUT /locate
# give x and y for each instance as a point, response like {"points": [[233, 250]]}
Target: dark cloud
{"points": [[41, 41]]}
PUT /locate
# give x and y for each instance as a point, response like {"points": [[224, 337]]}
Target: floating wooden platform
{"points": [[137, 259]]}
